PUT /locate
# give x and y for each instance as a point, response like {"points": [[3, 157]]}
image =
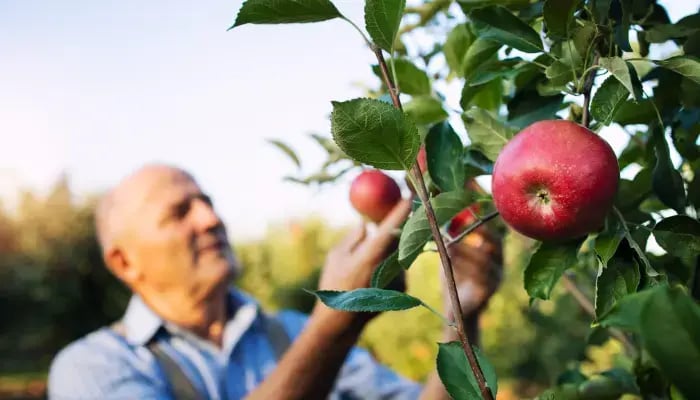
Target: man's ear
{"points": [[120, 265]]}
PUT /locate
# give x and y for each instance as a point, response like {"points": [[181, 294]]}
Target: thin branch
{"points": [[437, 236], [472, 228], [587, 87], [588, 307]]}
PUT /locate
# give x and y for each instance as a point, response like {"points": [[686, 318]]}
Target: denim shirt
{"points": [[105, 365]]}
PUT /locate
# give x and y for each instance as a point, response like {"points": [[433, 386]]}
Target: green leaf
{"points": [[487, 134], [456, 45], [559, 73], [382, 20], [487, 96], [528, 106], [478, 53], [694, 191], [679, 235], [504, 69], [583, 38], [285, 12], [638, 240], [410, 79], [607, 242], [607, 100], [499, 24], [601, 9], [666, 181], [559, 17], [632, 112], [625, 73], [670, 326], [476, 163], [327, 143], [367, 300], [610, 384], [685, 140], [375, 133], [416, 232], [616, 280], [626, 313], [425, 110], [387, 271], [546, 266], [286, 150], [687, 66], [444, 155], [663, 32], [631, 193], [622, 26], [454, 371]]}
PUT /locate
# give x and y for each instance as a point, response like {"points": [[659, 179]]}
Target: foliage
{"points": [[53, 284], [521, 61]]}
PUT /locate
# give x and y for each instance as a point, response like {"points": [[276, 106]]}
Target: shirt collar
{"points": [[142, 323]]}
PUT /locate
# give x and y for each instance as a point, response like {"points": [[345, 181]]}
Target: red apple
{"points": [[374, 194], [555, 180], [462, 220], [422, 159]]}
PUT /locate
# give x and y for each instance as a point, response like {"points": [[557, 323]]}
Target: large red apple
{"points": [[555, 180], [374, 194]]}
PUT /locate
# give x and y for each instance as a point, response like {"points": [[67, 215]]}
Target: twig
{"points": [[444, 257], [588, 307], [587, 87]]}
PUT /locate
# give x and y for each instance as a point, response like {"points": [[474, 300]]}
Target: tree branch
{"points": [[587, 87], [437, 236], [588, 307]]}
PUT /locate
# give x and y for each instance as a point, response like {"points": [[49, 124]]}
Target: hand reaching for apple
{"points": [[477, 262], [350, 264]]}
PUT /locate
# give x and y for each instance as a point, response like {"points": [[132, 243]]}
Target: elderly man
{"points": [[187, 334]]}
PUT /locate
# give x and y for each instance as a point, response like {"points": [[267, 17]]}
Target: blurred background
{"points": [[91, 90]]}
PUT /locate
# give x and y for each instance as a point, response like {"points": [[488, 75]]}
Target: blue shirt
{"points": [[105, 365]]}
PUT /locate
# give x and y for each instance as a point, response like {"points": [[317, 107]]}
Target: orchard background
{"points": [[646, 82]]}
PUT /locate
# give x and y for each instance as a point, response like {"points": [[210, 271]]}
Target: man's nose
{"points": [[204, 215]]}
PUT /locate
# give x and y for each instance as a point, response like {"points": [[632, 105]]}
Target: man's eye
{"points": [[182, 209]]}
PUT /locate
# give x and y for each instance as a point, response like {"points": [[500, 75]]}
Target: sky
{"points": [[97, 89]]}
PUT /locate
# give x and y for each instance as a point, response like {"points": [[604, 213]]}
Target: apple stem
{"points": [[587, 87], [437, 236]]}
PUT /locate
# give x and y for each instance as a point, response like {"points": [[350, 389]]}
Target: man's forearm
{"points": [[434, 389], [310, 366]]}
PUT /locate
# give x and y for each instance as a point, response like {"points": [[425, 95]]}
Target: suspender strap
{"points": [[181, 386], [277, 336]]}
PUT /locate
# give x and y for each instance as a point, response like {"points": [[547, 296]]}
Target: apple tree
{"points": [[565, 73]]}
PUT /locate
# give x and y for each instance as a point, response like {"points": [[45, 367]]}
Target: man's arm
{"points": [[310, 366]]}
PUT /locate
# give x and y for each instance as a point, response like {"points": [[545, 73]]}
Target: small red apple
{"points": [[422, 159], [462, 220], [555, 180], [374, 194]]}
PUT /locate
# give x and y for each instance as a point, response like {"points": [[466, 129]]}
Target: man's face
{"points": [[176, 239]]}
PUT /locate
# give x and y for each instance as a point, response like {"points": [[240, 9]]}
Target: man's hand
{"points": [[350, 264], [477, 261], [304, 374]]}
